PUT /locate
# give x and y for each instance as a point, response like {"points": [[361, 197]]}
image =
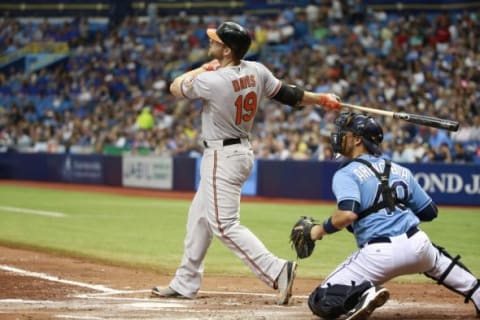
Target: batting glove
{"points": [[329, 101], [212, 65]]}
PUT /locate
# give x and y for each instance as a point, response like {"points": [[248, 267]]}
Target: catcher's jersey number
{"points": [[401, 192]]}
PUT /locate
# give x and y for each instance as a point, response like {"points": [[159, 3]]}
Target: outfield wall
{"points": [[455, 184]]}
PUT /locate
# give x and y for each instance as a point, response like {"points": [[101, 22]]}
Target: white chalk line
{"points": [[106, 294], [33, 211], [22, 301], [45, 276], [221, 293], [391, 303], [66, 316]]}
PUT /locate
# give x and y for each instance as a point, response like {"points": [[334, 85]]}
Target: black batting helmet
{"points": [[233, 36], [360, 125]]}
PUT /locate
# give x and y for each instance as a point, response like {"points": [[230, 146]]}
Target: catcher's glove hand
{"points": [[300, 238]]}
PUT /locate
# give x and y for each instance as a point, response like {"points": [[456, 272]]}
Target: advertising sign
{"points": [[82, 169], [147, 172]]}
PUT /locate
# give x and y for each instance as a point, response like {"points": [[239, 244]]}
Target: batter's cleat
{"points": [[370, 300], [285, 282], [166, 293]]}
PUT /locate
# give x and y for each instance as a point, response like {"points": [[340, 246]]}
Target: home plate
{"points": [[153, 305]]}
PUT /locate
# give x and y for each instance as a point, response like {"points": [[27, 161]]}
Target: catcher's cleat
{"points": [[166, 293], [285, 282], [370, 300]]}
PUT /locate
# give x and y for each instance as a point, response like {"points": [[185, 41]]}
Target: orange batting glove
{"points": [[329, 101], [212, 65]]}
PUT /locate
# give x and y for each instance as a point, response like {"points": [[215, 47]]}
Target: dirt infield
{"points": [[40, 285], [36, 285]]}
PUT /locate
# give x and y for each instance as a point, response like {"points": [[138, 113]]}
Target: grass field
{"points": [[148, 232]]}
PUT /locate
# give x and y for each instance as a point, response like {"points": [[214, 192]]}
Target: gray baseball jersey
{"points": [[230, 101], [229, 110]]}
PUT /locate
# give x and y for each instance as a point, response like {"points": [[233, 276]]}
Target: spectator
{"points": [[420, 65], [443, 154], [429, 156], [459, 154], [145, 119], [439, 137], [418, 148], [402, 152]]}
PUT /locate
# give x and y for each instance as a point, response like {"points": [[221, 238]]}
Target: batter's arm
{"points": [[176, 85], [327, 100], [297, 97]]}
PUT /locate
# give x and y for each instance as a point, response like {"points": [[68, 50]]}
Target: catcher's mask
{"points": [[233, 36], [360, 125]]}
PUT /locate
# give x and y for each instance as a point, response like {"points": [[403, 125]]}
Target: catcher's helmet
{"points": [[233, 36], [360, 125]]}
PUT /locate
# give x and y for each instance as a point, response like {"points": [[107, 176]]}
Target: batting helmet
{"points": [[360, 125], [233, 36]]}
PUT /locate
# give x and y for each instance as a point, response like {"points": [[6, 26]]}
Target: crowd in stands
{"points": [[112, 91]]}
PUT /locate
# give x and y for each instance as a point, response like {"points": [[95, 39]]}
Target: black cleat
{"points": [[369, 301]]}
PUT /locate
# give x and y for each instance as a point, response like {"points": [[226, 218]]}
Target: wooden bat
{"points": [[409, 117]]}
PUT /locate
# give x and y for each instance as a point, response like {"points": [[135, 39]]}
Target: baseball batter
{"points": [[231, 90], [382, 204]]}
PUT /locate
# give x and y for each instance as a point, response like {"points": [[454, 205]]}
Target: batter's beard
{"points": [[213, 54]]}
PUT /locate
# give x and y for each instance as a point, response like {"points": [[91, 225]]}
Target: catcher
{"points": [[382, 204]]}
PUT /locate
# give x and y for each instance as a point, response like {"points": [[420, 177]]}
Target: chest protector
{"points": [[388, 195]]}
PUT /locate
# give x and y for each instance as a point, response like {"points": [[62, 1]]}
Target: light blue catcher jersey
{"points": [[357, 182]]}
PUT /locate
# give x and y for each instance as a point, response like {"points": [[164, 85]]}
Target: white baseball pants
{"points": [[215, 211], [380, 262]]}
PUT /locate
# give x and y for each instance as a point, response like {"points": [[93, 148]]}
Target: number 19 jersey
{"points": [[231, 97]]}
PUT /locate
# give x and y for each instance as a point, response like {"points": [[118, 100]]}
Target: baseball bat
{"points": [[409, 117]]}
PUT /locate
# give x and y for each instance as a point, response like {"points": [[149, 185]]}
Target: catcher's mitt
{"points": [[300, 238]]}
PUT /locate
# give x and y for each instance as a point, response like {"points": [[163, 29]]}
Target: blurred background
{"points": [[84, 90], [92, 77]]}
